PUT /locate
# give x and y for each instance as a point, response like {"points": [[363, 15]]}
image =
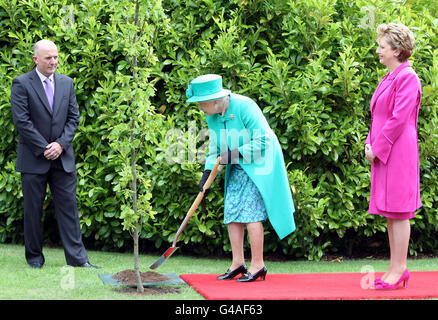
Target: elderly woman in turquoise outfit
{"points": [[256, 183]]}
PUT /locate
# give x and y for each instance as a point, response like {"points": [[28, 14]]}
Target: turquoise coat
{"points": [[245, 127]]}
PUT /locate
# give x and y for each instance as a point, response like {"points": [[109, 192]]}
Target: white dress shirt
{"points": [[43, 78]]}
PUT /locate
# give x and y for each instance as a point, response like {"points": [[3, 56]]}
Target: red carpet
{"points": [[311, 286]]}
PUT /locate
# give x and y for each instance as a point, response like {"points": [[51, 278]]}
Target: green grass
{"points": [[19, 281]]}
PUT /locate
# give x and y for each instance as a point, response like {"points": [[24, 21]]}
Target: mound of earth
{"points": [[127, 277]]}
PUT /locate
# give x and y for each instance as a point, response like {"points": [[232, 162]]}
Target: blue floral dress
{"points": [[243, 202]]}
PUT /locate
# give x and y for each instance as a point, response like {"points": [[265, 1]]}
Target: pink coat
{"points": [[395, 174]]}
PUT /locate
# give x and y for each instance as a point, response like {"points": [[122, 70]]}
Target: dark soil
{"points": [[127, 277], [149, 291]]}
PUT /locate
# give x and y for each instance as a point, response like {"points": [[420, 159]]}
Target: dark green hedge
{"points": [[310, 65]]}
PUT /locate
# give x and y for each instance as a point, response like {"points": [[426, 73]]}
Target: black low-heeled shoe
{"points": [[231, 274], [249, 277]]}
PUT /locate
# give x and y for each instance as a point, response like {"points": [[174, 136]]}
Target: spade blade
{"points": [[163, 257]]}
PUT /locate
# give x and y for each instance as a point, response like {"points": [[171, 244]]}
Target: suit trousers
{"points": [[63, 189]]}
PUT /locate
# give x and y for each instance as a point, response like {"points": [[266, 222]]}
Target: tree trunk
{"points": [[136, 264], [136, 231]]}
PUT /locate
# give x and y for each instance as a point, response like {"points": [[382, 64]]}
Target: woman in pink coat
{"points": [[392, 147]]}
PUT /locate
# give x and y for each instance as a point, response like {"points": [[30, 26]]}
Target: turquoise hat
{"points": [[206, 87]]}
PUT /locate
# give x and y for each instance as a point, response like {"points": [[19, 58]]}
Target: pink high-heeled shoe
{"points": [[382, 285], [378, 280]]}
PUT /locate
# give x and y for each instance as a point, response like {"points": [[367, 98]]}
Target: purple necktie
{"points": [[49, 92]]}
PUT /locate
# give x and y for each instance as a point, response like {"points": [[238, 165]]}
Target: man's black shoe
{"points": [[88, 265]]}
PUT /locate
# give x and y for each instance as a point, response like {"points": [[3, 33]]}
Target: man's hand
{"points": [[53, 151]]}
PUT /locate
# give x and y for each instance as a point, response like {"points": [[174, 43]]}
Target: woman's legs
{"points": [[256, 238], [391, 246], [399, 232], [236, 234]]}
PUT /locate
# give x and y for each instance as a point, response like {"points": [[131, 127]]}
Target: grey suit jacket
{"points": [[37, 126]]}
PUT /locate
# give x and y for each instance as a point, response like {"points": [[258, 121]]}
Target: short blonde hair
{"points": [[399, 37]]}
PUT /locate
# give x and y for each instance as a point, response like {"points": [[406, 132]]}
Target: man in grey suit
{"points": [[46, 117]]}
